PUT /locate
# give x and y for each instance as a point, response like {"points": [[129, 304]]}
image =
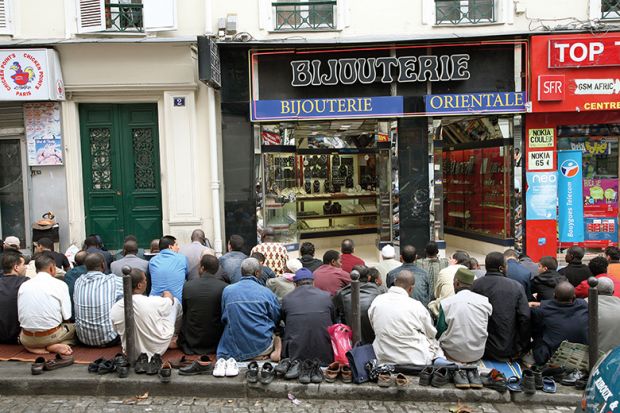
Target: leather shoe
{"points": [[332, 372], [107, 366], [267, 373], [317, 374], [142, 362], [346, 374], [201, 366], [401, 380], [426, 375], [385, 379], [495, 380], [154, 365], [283, 367], [251, 375], [538, 378], [294, 370], [58, 362], [305, 376], [165, 373], [571, 378], [37, 367], [94, 366], [474, 379], [460, 379], [440, 377], [528, 382]]}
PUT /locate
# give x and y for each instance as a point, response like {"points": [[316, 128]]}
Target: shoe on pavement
{"points": [[251, 375], [142, 363], [474, 379], [294, 370], [401, 380], [267, 373], [385, 379], [332, 372], [495, 380], [154, 365], [283, 367], [440, 377], [37, 367], [317, 374], [220, 368], [460, 379], [58, 362], [571, 378], [305, 377], [528, 382], [232, 369], [165, 373], [94, 366], [200, 366], [346, 374], [426, 375], [107, 366]]}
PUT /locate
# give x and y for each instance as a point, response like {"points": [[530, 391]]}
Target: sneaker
{"points": [[294, 370], [440, 377], [332, 372], [305, 377], [495, 380], [232, 369], [220, 368], [154, 365], [346, 374], [317, 374], [142, 363], [165, 373], [426, 375], [460, 379], [474, 379], [251, 375]]}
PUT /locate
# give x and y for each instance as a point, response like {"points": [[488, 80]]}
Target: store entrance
{"points": [[476, 162], [325, 181]]}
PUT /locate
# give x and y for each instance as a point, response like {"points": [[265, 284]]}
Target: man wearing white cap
{"points": [[388, 262], [11, 243]]}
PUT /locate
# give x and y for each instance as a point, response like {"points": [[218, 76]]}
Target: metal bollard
{"points": [[356, 323], [130, 338], [592, 322]]}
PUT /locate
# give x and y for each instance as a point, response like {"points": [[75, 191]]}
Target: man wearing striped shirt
{"points": [[94, 295]]}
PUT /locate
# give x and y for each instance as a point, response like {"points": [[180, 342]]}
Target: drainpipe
{"points": [[215, 168]]}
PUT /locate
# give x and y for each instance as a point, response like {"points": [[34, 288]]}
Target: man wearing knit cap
{"points": [[307, 312], [463, 320]]}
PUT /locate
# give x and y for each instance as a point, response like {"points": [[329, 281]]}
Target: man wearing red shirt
{"points": [[329, 276], [348, 259], [598, 267]]}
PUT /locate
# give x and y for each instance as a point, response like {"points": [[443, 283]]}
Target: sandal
{"points": [[58, 362], [549, 385], [514, 384]]}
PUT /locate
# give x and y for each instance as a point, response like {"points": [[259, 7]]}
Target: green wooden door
{"points": [[120, 160]]}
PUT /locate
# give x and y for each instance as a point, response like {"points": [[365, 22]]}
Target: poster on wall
{"points": [[601, 229], [570, 196], [541, 195], [600, 197], [43, 134]]}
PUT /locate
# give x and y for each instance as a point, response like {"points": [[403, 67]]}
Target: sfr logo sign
{"points": [[584, 52]]}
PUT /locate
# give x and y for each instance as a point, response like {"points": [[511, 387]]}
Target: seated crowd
{"points": [[267, 306]]}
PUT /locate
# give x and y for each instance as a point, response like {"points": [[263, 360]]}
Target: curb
{"points": [[15, 379]]}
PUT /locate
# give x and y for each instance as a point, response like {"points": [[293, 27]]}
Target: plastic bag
{"points": [[341, 336]]}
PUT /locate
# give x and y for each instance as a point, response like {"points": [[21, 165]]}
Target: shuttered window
{"points": [[6, 26], [91, 16]]}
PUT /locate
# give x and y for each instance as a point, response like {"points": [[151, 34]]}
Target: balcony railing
{"points": [[124, 17], [610, 9], [464, 11], [315, 15]]}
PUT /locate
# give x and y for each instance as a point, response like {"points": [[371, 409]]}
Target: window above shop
{"points": [[125, 16], [464, 11], [312, 15], [610, 9]]}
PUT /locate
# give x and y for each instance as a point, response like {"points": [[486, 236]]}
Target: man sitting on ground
{"points": [[266, 272], [14, 269], [575, 271], [432, 264], [608, 320], [130, 259], [347, 259], [463, 321], [612, 254], [329, 276], [518, 272], [92, 244], [275, 252], [94, 295], [444, 285], [73, 274], [543, 284], [306, 252], [599, 268], [168, 269], [250, 313], [421, 290], [46, 244], [404, 331], [202, 310], [194, 252], [43, 304], [231, 261], [307, 312], [281, 286], [157, 318], [120, 254], [387, 264], [369, 290], [562, 319], [509, 325]]}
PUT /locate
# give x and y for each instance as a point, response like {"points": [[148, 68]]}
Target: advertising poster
{"points": [[570, 196], [541, 195], [43, 134], [600, 197], [601, 229]]}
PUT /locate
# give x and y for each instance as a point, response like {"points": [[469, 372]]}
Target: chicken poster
{"points": [[43, 134]]}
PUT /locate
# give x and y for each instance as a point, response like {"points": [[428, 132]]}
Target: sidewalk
{"points": [[15, 379]]}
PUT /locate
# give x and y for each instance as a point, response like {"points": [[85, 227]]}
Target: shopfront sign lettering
{"points": [[349, 71], [541, 138], [30, 74], [328, 108], [540, 160], [476, 102], [579, 52]]}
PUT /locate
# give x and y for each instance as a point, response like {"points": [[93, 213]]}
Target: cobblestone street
{"points": [[15, 404]]}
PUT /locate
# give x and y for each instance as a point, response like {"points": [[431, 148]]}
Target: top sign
{"points": [[30, 74], [580, 52]]}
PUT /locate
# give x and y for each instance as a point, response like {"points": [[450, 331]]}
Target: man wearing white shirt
{"points": [[43, 304], [404, 331]]}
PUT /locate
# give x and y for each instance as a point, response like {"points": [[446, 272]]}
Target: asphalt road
{"points": [[15, 404]]}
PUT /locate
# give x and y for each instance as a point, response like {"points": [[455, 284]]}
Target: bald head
{"points": [[198, 235], [80, 257], [564, 292], [405, 280], [605, 286], [130, 247]]}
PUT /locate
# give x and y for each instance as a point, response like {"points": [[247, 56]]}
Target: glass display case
{"points": [[477, 191]]}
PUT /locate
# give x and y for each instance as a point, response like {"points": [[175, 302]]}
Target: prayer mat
{"points": [[508, 368]]}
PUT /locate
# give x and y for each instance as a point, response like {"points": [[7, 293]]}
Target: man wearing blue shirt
{"points": [[168, 269], [518, 272]]}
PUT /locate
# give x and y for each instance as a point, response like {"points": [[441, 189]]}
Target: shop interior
{"points": [[327, 180]]}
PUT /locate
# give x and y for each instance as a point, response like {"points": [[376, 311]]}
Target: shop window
{"points": [[610, 9], [465, 11], [304, 15], [126, 16]]}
